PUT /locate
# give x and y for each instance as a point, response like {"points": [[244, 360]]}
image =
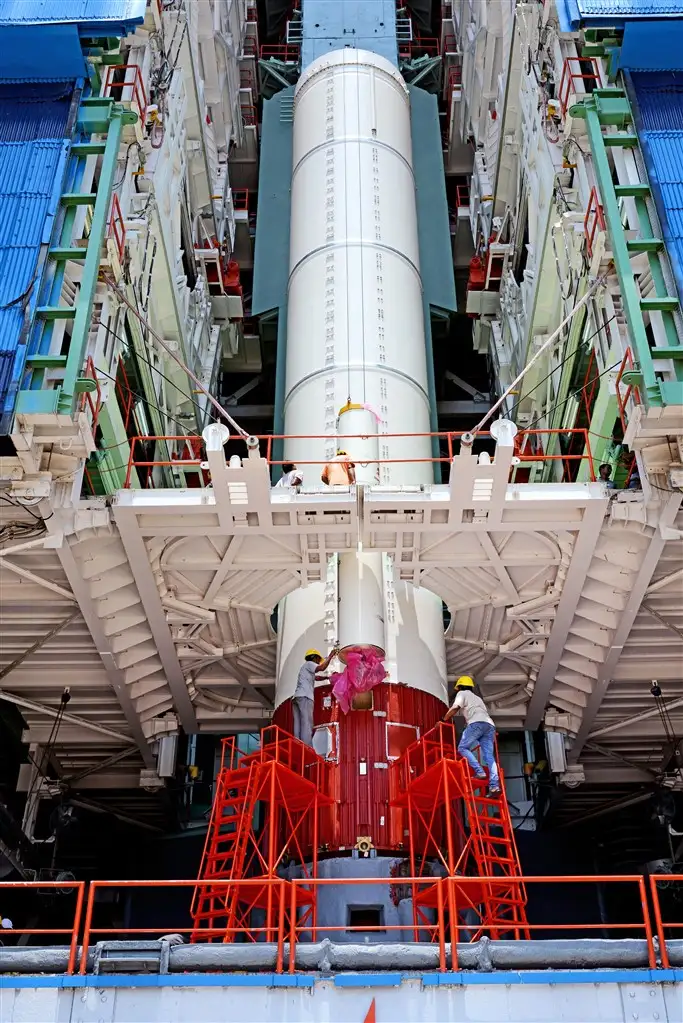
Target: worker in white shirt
{"points": [[479, 731], [291, 476], [302, 704], [340, 471]]}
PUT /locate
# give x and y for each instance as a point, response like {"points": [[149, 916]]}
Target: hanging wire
{"points": [[344, 79]]}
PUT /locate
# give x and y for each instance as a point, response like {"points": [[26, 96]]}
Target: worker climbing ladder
{"points": [[609, 124], [451, 819]]}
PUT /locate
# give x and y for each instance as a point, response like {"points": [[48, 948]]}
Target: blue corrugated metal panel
{"points": [[33, 152], [652, 45], [575, 13], [363, 24], [42, 53], [87, 12], [658, 110]]}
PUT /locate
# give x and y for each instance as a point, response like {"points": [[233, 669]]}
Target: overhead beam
{"points": [[4, 672], [582, 554], [634, 719], [46, 584], [101, 640], [628, 616], [245, 681], [138, 561], [73, 719]]}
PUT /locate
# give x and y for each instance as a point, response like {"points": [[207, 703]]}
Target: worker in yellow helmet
{"points": [[479, 731], [302, 704], [340, 471]]}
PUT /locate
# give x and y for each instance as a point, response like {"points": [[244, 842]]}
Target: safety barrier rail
{"points": [[131, 79], [116, 229], [594, 221], [287, 53], [58, 887], [240, 199], [276, 746], [528, 449], [249, 115], [623, 398], [249, 47], [94, 406], [661, 924], [573, 71], [446, 896]]}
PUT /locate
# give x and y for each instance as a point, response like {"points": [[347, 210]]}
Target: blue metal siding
{"points": [[90, 12], [658, 108], [361, 24], [575, 13], [33, 153]]}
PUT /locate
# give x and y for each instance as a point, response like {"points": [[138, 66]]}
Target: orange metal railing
{"points": [[249, 116], [240, 199], [627, 366], [117, 226], [71, 932], [594, 221], [94, 406], [132, 79], [445, 894], [660, 924], [447, 442], [573, 71], [287, 53]]}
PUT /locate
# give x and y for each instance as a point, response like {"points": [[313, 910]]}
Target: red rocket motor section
{"points": [[362, 745]]}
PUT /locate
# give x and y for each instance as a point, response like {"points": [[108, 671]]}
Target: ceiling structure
{"points": [[155, 611]]}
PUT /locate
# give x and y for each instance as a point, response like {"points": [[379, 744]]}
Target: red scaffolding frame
{"points": [[450, 819], [290, 780]]}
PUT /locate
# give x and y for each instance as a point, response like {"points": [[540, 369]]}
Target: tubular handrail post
{"points": [[73, 948], [591, 464], [659, 924], [129, 470], [281, 929], [453, 921], [440, 924], [292, 927], [87, 927], [648, 926]]}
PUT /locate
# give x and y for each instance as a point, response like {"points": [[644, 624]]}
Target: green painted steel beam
{"points": [[590, 109], [56, 312], [60, 253], [619, 138], [78, 198], [46, 361], [665, 352], [659, 303], [639, 190], [91, 266], [644, 244], [87, 149]]}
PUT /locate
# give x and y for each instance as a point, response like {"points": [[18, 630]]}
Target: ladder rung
{"points": [[46, 361], [620, 138], [659, 303], [667, 353], [636, 191], [64, 254], [56, 312], [644, 244], [88, 149], [78, 198]]}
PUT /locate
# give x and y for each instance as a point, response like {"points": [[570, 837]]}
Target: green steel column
{"points": [[86, 298], [629, 290]]}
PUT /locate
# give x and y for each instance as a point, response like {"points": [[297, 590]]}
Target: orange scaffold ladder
{"points": [[289, 780], [451, 819]]}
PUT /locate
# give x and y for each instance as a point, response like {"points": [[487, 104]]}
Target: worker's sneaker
{"points": [[494, 790], [481, 777]]}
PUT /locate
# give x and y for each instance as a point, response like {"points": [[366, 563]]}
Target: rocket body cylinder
{"points": [[356, 372]]}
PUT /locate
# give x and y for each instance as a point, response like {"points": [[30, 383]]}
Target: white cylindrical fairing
{"points": [[361, 603], [355, 321], [357, 435]]}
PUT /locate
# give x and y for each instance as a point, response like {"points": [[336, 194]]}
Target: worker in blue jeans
{"points": [[479, 731]]}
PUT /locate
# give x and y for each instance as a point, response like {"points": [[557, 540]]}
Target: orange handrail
{"points": [[661, 924], [443, 893], [572, 71], [447, 438], [137, 85], [73, 931]]}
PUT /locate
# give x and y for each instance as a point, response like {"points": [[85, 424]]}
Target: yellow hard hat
{"points": [[340, 451], [465, 680], [313, 653]]}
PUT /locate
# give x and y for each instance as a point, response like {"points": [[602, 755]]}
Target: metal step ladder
{"points": [[53, 378], [603, 111]]}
